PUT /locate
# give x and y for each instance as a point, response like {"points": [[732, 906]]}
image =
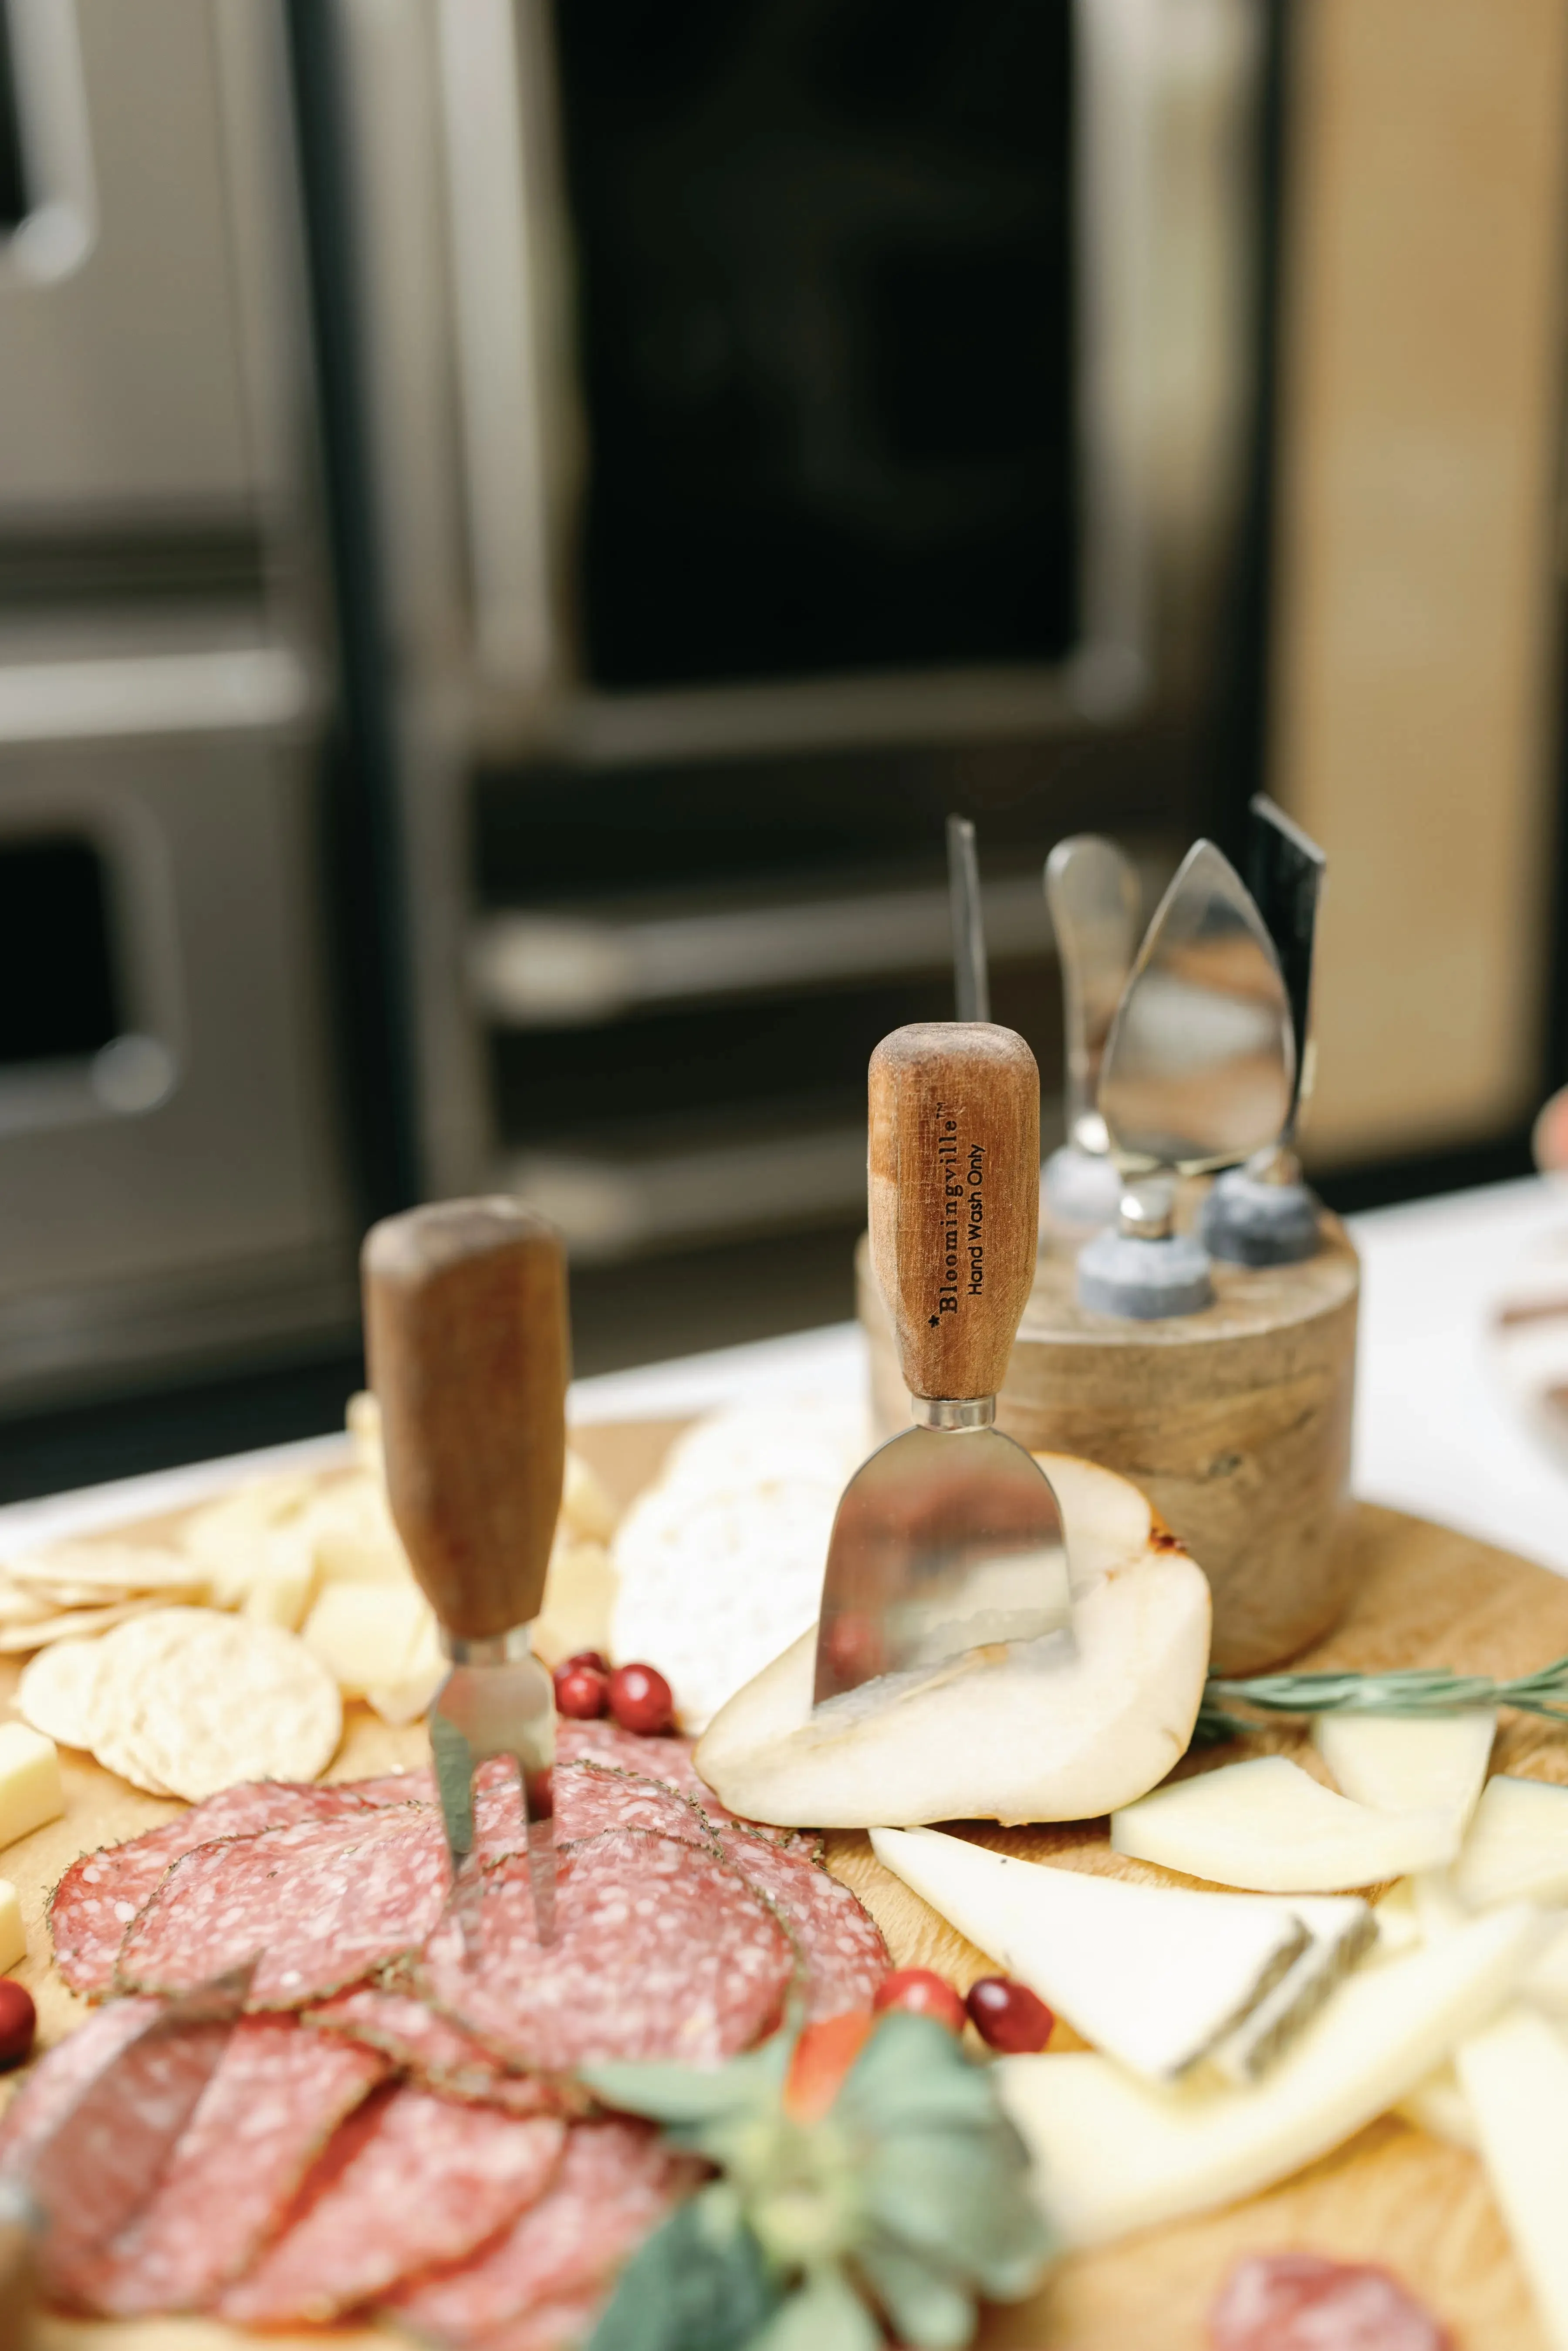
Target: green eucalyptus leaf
{"points": [[825, 2314], [928, 2308], [698, 2283], [964, 2199], [692, 2094]]}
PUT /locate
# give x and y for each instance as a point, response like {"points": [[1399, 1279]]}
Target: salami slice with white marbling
{"points": [[277, 2098], [617, 2181], [61, 2075], [100, 1895], [410, 2182], [661, 1949], [840, 1942], [1304, 2302], [318, 1905], [437, 2053]]}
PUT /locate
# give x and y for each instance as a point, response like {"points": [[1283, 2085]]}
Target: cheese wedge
{"points": [[1440, 2106], [1269, 1825], [1546, 1985], [366, 1635], [284, 1584], [1152, 1975], [12, 1935], [408, 1695], [30, 1791], [1342, 1929], [1517, 1848], [1112, 2153], [1515, 2080], [1435, 1763]]}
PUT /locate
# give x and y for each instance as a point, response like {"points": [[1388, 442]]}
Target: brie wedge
{"points": [[1112, 2154], [1152, 1975], [1341, 1928], [1269, 1825]]}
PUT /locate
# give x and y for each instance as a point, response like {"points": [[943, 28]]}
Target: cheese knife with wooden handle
{"points": [[466, 1345], [949, 1537]]}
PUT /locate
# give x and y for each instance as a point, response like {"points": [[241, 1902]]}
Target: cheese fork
{"points": [[466, 1345]]}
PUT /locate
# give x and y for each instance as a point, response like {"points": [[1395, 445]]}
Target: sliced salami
{"points": [[668, 1759], [276, 2099], [52, 2087], [412, 2180], [616, 2182], [841, 1943], [318, 1905], [100, 1895], [92, 2184], [1304, 2302], [592, 1797], [439, 2054], [557, 2325], [661, 1949]]}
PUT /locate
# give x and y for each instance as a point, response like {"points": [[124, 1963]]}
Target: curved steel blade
{"points": [[1092, 891], [1200, 1068]]}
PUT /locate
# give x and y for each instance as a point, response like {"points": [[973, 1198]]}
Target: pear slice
{"points": [[1153, 1975], [1016, 1733], [1269, 1825], [1409, 1763]]}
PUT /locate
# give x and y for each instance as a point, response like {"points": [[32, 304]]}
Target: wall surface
{"points": [[1413, 698]]}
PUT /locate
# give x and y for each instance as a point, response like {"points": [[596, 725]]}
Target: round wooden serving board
{"points": [[1423, 1596]]}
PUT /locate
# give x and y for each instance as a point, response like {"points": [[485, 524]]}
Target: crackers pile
{"points": [[184, 1701], [72, 1589]]}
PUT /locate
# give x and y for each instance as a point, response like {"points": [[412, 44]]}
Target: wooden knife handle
{"points": [[954, 1185], [467, 1350]]}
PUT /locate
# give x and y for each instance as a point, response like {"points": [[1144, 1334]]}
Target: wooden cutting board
{"points": [[1424, 1596]]}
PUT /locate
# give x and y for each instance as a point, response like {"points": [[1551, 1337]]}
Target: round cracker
{"points": [[128, 1686], [217, 1699], [58, 1692]]}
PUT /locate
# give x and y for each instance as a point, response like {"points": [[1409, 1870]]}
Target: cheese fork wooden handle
{"points": [[467, 1350], [954, 1186]]}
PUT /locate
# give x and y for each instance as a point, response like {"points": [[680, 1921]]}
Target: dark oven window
{"points": [[824, 284], [57, 966]]}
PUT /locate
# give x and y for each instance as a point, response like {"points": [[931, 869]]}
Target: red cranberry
{"points": [[1009, 2017], [18, 2022], [584, 1658], [640, 1699], [921, 1993], [580, 1691]]}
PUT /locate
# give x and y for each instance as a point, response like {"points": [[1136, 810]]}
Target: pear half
{"points": [[1012, 1734]]}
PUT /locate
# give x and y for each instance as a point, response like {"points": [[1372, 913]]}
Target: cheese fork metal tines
{"points": [[949, 1538], [466, 1342]]}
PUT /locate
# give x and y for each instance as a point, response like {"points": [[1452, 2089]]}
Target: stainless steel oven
{"points": [[792, 419], [173, 1187]]}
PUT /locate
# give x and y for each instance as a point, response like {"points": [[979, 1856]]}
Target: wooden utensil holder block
{"points": [[1236, 1422]]}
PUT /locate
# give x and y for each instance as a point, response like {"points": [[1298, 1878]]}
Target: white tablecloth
{"points": [[1435, 1431]]}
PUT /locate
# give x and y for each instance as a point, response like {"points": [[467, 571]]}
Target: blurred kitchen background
{"points": [[518, 521]]}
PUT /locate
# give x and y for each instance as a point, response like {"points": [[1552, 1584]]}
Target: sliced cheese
{"points": [[30, 1791], [1546, 1986], [1398, 1927], [284, 1584], [13, 1934], [366, 1635], [1432, 1764], [1112, 2153], [1515, 2080], [408, 1695], [1342, 1929], [1269, 1825], [579, 1601], [1153, 1975], [1517, 1849], [1440, 2106]]}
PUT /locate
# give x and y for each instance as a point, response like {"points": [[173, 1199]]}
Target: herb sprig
{"points": [[1409, 1690]]}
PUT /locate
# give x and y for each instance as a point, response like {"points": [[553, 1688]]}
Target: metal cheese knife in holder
{"points": [[467, 1348], [949, 1537], [1199, 1072], [1261, 1213], [1091, 890]]}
